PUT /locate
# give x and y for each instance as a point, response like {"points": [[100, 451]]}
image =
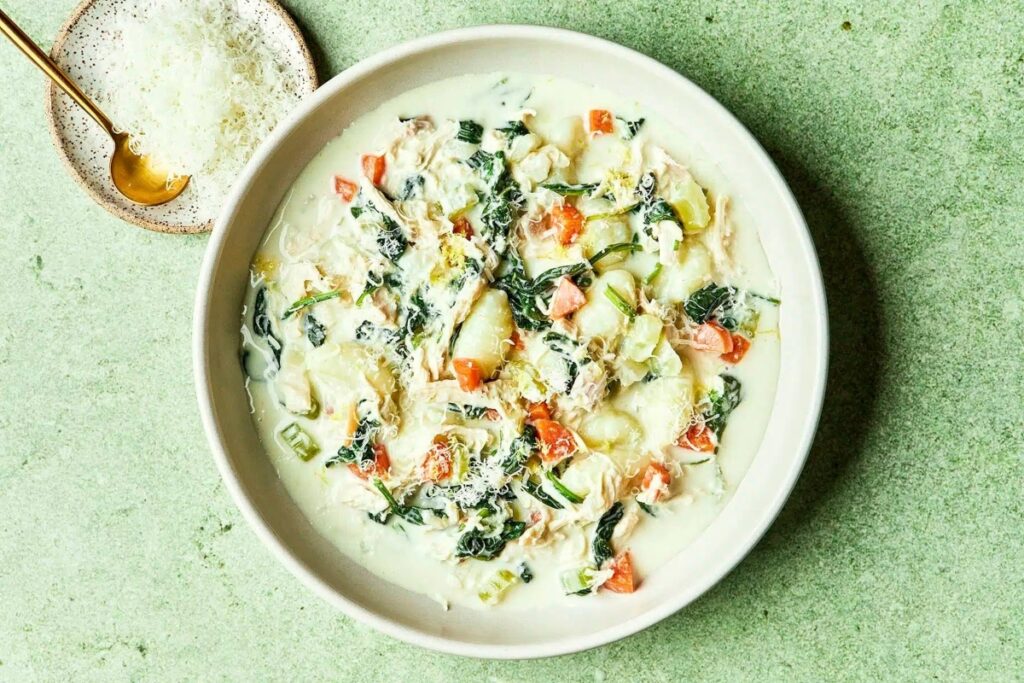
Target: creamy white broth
{"points": [[314, 225]]}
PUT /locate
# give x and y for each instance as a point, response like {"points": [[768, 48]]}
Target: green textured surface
{"points": [[901, 554]]}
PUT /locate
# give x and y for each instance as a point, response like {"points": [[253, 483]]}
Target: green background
{"points": [[900, 127]]}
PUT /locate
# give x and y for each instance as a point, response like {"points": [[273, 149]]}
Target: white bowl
{"points": [[248, 472]]}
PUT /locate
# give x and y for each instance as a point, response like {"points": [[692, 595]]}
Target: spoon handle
{"points": [[48, 67]]}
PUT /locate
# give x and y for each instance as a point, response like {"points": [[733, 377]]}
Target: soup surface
{"points": [[510, 342]]}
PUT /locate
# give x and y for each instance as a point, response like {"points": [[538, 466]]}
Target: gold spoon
{"points": [[137, 177]]}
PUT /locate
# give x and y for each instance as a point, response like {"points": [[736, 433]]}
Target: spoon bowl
{"points": [[140, 178]]}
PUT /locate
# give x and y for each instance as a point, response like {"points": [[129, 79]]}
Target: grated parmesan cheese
{"points": [[198, 86]]}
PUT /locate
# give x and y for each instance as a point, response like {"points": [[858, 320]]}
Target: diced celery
{"points": [[581, 581], [497, 586], [690, 204], [299, 441], [642, 337], [460, 458]]}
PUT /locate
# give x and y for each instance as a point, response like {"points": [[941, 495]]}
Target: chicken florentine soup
{"points": [[507, 343]]}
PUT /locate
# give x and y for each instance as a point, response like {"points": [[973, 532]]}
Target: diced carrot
{"points": [[698, 438], [345, 188], [469, 373], [463, 227], [601, 121], [517, 341], [656, 479], [437, 464], [373, 168], [712, 337], [380, 467], [740, 344], [557, 440], [567, 300], [568, 222], [621, 580], [538, 411]]}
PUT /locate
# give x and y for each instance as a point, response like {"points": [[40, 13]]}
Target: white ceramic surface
{"points": [[86, 148], [248, 473]]}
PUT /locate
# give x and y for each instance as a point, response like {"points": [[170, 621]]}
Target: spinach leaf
{"points": [[646, 508], [315, 331], [524, 572], [470, 131], [702, 305], [631, 128], [360, 450], [570, 189], [375, 282], [502, 203], [653, 209], [477, 545], [478, 159], [520, 450], [566, 348], [513, 129], [413, 186], [722, 404], [386, 338], [467, 411], [523, 292], [415, 316], [391, 241], [263, 326], [533, 487], [603, 536]]}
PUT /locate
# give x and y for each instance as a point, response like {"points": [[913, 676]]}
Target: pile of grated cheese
{"points": [[198, 86]]}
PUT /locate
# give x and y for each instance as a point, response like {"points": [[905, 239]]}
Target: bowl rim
{"points": [[746, 540], [51, 92]]}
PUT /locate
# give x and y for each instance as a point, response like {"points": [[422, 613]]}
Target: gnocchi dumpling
{"points": [[486, 332], [599, 317], [679, 280]]}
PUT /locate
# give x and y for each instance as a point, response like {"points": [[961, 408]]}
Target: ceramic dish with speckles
{"points": [[86, 149]]}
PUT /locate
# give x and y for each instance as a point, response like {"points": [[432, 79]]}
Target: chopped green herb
{"points": [[407, 512], [653, 274], [569, 189], [533, 487], [566, 492], [613, 248], [619, 301], [309, 301]]}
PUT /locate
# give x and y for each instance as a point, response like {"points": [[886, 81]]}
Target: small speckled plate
{"points": [[85, 147]]}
